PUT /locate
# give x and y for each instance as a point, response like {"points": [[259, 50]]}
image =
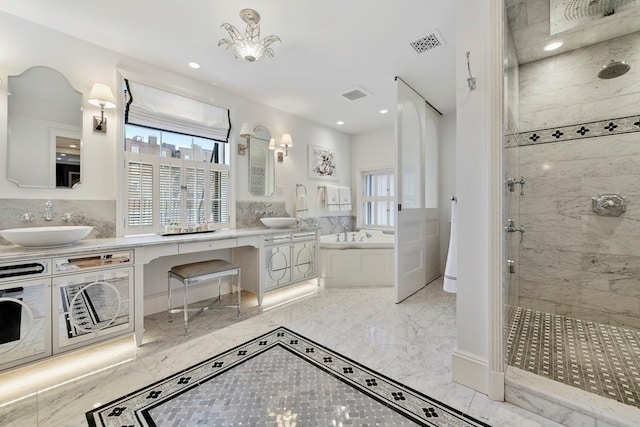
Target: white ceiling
{"points": [[328, 47]]}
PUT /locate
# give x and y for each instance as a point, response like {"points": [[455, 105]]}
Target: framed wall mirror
{"points": [[44, 130], [261, 163]]}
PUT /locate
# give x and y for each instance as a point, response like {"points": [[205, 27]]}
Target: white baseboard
{"points": [[496, 386], [470, 370]]}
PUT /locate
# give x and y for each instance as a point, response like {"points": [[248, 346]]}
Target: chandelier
{"points": [[250, 48]]}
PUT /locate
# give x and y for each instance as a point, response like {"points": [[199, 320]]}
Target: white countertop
{"points": [[12, 252]]}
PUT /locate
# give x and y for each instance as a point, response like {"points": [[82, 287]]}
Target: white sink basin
{"points": [[278, 222], [46, 237]]}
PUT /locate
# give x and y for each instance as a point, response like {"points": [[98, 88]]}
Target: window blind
{"points": [[158, 109]]}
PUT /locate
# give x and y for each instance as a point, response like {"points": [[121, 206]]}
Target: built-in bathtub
{"points": [[364, 259]]}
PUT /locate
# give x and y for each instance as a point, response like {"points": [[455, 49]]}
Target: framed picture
{"points": [[322, 162]]}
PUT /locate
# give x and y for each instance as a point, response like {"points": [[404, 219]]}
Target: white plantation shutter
{"points": [[379, 200], [219, 184], [196, 195], [169, 194], [139, 194]]}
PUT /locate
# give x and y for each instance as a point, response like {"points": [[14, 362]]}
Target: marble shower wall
{"points": [[100, 214], [579, 136]]}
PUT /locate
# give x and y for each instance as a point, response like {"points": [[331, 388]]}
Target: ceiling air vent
{"points": [[356, 93], [428, 42]]}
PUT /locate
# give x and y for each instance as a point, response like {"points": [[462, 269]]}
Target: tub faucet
{"points": [[48, 211], [344, 229]]}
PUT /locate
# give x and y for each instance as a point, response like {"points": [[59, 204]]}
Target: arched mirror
{"points": [[44, 130], [261, 163]]}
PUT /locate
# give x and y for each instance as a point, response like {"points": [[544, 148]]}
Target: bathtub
{"points": [[365, 259]]}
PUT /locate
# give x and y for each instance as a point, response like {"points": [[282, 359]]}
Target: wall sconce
{"points": [[286, 142], [246, 131], [101, 96]]}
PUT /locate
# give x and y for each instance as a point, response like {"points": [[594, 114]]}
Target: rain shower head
{"points": [[613, 69]]}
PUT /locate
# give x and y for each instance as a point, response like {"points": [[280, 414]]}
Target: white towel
{"points": [[345, 198], [302, 210], [451, 269], [331, 198]]}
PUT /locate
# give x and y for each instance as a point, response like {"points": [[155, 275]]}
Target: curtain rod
{"points": [[418, 93]]}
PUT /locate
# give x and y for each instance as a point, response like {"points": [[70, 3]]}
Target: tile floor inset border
{"points": [[363, 394]]}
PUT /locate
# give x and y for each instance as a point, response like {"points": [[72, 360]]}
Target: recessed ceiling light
{"points": [[384, 111], [552, 46], [340, 122], [194, 65]]}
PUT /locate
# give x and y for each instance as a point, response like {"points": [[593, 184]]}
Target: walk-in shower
{"points": [[572, 124]]}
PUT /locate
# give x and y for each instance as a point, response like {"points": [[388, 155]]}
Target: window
{"points": [[379, 199], [172, 175]]}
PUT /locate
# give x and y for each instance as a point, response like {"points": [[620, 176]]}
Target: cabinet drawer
{"points": [[86, 262], [209, 245]]}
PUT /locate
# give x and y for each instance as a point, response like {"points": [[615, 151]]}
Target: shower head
{"points": [[613, 69]]}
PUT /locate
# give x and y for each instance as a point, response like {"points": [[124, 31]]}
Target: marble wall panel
{"points": [[101, 214], [248, 216]]}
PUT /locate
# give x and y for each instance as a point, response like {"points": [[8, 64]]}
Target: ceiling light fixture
{"points": [[249, 48], [339, 122], [383, 111], [552, 46], [194, 65]]}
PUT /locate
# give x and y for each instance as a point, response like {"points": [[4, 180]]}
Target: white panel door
{"points": [[410, 243], [417, 237]]}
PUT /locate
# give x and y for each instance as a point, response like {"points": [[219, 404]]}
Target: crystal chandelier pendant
{"points": [[249, 47]]}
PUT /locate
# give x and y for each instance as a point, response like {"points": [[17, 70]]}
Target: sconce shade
{"points": [[272, 144], [102, 96], [246, 130], [286, 141]]}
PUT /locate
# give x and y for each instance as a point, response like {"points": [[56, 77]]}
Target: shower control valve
{"points": [[609, 204]]}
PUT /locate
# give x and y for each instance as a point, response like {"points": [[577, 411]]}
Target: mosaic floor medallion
{"points": [[278, 379]]}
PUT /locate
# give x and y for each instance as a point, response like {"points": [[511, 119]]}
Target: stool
{"points": [[196, 272]]}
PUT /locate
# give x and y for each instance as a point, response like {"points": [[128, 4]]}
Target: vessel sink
{"points": [[278, 222], [46, 237]]}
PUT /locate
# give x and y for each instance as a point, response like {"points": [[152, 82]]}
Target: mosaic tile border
{"points": [[598, 358], [572, 132], [132, 409]]}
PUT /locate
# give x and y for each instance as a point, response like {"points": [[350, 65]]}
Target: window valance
{"points": [[157, 109]]}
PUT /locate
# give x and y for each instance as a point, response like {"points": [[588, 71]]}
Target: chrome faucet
{"points": [[48, 211], [266, 210], [344, 229]]}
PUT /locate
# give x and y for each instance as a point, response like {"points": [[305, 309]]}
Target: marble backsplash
{"points": [[100, 214], [248, 216]]}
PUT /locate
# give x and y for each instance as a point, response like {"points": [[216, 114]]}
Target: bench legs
{"points": [[197, 311]]}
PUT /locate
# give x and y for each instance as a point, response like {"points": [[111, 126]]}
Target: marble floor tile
{"points": [[411, 342]]}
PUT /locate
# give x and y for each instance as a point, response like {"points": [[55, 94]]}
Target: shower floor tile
{"points": [[598, 358]]}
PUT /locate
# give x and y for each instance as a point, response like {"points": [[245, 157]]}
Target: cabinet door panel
{"points": [[277, 266], [304, 260], [91, 306], [25, 314]]}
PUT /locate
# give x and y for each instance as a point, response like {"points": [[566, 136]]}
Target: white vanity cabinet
{"points": [[289, 258], [92, 298], [25, 312], [281, 259], [52, 305]]}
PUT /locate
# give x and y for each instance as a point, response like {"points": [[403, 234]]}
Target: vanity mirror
{"points": [[44, 130], [261, 163]]}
